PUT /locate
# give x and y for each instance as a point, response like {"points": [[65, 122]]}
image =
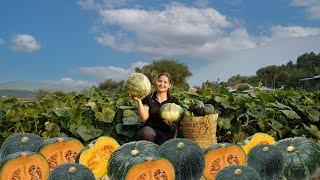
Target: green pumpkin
{"points": [[238, 173], [267, 160], [197, 108], [20, 142], [24, 165], [171, 113], [208, 109], [301, 157], [186, 156], [137, 85], [71, 171], [60, 150], [139, 160]]}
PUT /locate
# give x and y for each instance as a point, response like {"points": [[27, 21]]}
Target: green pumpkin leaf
{"points": [[88, 133], [290, 114], [121, 129], [313, 115], [224, 122], [313, 130], [106, 115]]}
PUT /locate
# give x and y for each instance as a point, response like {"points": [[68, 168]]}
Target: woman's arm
{"points": [[142, 110]]}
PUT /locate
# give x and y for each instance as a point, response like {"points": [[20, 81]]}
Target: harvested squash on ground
{"points": [[238, 173], [301, 157], [256, 139], [60, 150], [96, 155], [20, 142], [71, 171], [221, 155], [24, 165], [139, 160], [185, 155], [267, 160]]}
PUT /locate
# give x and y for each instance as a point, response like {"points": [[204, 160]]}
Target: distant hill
{"points": [[16, 93]]}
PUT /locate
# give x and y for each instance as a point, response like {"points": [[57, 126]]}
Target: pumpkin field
{"points": [[98, 130]]}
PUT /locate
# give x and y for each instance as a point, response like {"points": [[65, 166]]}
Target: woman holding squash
{"points": [[155, 128]]}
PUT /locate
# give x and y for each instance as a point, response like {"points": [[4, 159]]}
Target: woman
{"points": [[155, 129]]}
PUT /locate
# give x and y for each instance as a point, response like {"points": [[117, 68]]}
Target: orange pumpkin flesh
{"points": [[61, 152], [221, 156], [160, 169], [33, 167]]}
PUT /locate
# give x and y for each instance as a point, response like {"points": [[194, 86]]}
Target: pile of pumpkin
{"points": [[28, 156]]}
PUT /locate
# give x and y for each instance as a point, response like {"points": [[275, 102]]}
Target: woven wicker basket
{"points": [[201, 129]]}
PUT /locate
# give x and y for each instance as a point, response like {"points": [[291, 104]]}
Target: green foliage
{"points": [[179, 72], [93, 113]]}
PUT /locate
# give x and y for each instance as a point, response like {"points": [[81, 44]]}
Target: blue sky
{"points": [[72, 44]]}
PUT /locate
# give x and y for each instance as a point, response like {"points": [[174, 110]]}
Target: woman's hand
{"points": [[142, 110]]}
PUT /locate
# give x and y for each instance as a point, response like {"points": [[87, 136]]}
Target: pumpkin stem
{"points": [[134, 152], [149, 158], [266, 149], [72, 169], [25, 139], [223, 145], [238, 172], [23, 154], [91, 145], [290, 149], [180, 145], [60, 139]]}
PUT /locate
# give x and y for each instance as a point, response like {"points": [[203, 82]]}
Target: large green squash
{"points": [[71, 171], [20, 142], [221, 155], [186, 156], [267, 160], [171, 113], [139, 160], [301, 157], [238, 173], [24, 165], [60, 150], [137, 85]]}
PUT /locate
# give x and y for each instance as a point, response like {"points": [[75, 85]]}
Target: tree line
{"points": [[287, 75]]}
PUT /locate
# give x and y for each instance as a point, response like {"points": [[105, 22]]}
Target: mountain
{"points": [[16, 93]]}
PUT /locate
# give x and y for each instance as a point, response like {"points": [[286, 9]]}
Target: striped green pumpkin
{"points": [[137, 85]]}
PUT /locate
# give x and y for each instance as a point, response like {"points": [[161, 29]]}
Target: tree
{"points": [[110, 85], [179, 72]]}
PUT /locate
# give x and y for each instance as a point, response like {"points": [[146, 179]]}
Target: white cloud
{"points": [[2, 41], [177, 30], [101, 4], [312, 7], [282, 32], [68, 83], [275, 52], [111, 72], [25, 42]]}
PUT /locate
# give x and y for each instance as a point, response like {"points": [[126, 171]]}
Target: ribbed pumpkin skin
{"points": [[137, 85], [302, 161], [172, 113], [221, 155], [71, 171], [20, 142], [267, 160], [17, 161], [230, 173], [121, 160], [188, 161]]}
